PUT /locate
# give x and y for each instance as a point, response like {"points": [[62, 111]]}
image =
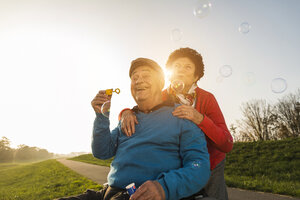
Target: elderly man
{"points": [[166, 158]]}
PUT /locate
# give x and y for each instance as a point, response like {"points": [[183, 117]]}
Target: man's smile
{"points": [[138, 89]]}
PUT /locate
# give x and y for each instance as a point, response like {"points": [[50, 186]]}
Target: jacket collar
{"points": [[168, 103]]}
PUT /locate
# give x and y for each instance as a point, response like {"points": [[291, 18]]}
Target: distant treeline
{"points": [[23, 153], [263, 121]]}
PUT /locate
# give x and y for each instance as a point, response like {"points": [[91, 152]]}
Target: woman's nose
{"points": [[179, 70]]}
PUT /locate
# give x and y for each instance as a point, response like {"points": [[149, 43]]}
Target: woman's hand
{"points": [[188, 112], [128, 122]]}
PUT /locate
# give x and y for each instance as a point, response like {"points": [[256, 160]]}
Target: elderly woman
{"points": [[200, 107]]}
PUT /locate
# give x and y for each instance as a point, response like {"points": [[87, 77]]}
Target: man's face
{"points": [[145, 84]]}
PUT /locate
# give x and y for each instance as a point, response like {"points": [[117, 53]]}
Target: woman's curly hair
{"points": [[192, 54]]}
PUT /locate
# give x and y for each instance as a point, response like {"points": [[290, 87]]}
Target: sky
{"points": [[56, 55]]}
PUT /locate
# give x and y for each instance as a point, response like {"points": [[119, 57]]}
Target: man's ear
{"points": [[161, 83]]}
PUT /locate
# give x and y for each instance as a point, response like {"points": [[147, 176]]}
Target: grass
{"points": [[4, 166], [268, 166], [41, 181], [271, 166], [89, 158]]}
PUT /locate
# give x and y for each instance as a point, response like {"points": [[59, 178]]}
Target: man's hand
{"points": [[150, 190], [128, 122], [100, 99], [188, 112]]}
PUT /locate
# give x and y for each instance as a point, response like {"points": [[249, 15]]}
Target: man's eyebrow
{"points": [[144, 70]]}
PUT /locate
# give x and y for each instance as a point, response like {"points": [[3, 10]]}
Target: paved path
{"points": [[99, 173], [239, 194], [94, 172]]}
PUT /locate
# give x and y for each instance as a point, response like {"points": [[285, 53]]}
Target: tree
{"points": [[288, 115], [6, 153], [258, 121], [23, 153], [43, 154], [26, 153], [233, 132], [262, 121]]}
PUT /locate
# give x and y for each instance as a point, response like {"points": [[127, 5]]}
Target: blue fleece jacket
{"points": [[164, 148]]}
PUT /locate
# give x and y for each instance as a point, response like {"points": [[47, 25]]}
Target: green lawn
{"points": [[270, 166], [4, 166], [89, 158], [40, 181]]}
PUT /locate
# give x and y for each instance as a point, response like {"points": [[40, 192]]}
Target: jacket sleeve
{"points": [[214, 126], [104, 142], [120, 114], [195, 170]]}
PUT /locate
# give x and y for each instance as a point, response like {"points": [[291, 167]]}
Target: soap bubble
{"points": [[249, 78], [202, 9], [278, 85], [105, 109], [244, 28], [225, 71], [176, 34], [177, 85]]}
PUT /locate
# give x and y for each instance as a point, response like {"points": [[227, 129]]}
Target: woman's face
{"points": [[184, 69]]}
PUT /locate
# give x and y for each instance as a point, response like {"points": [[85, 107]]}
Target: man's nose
{"points": [[139, 80]]}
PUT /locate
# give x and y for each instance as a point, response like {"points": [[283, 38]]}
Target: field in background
{"points": [[43, 180], [89, 158], [269, 166]]}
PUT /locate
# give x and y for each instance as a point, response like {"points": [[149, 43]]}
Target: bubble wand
{"points": [[110, 91]]}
